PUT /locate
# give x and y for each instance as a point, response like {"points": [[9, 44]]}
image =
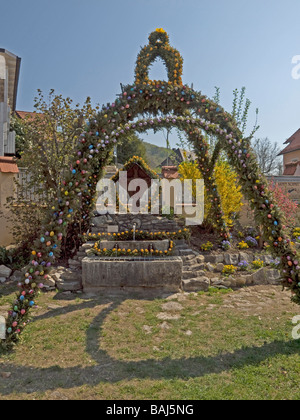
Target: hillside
{"points": [[155, 154]]}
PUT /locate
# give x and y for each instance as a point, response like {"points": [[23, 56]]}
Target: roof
{"points": [[26, 115], [170, 172], [8, 165], [168, 161], [185, 154], [291, 168], [293, 143], [13, 63], [290, 139], [136, 160], [284, 178]]}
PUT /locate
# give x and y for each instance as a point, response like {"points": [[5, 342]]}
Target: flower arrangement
{"points": [[140, 235], [136, 160], [229, 269], [225, 245], [296, 234], [257, 264], [122, 252], [274, 263], [159, 47], [208, 246], [243, 265], [243, 245], [251, 242]]}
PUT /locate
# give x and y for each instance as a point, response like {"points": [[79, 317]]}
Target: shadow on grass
{"points": [[109, 370]]}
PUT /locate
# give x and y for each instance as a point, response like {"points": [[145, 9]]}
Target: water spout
{"points": [[134, 228]]}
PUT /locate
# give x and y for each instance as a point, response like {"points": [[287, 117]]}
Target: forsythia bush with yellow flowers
{"points": [[228, 188]]}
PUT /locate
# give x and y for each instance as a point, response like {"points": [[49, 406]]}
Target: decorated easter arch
{"points": [[151, 105]]}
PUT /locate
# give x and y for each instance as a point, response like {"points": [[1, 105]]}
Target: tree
{"points": [[267, 156], [47, 142], [132, 146], [19, 127], [287, 206]]}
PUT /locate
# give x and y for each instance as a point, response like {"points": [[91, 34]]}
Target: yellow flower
{"points": [[160, 30]]}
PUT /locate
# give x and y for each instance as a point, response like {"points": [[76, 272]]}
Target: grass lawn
{"points": [[215, 345]]}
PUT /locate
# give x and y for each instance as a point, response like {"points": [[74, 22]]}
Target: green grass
{"points": [[115, 348]]}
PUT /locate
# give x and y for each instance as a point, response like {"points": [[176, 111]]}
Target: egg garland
{"points": [[182, 107]]}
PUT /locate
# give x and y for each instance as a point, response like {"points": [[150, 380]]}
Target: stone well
{"points": [[101, 273]]}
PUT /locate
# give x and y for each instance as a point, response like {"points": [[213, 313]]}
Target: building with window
{"points": [[291, 155], [9, 78]]}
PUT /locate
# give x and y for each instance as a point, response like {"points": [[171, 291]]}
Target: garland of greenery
{"points": [[122, 252], [94, 146], [136, 160], [159, 47], [140, 235], [127, 166]]}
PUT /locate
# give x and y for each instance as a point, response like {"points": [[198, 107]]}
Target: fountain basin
{"points": [[100, 273]]}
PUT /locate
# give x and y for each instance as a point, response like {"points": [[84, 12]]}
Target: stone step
{"points": [[197, 284], [185, 252], [81, 253], [74, 276], [74, 263], [192, 274], [200, 259], [69, 286], [188, 258], [192, 266]]}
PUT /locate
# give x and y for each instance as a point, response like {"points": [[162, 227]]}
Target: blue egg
{"points": [[42, 240], [31, 303], [74, 171], [22, 298]]}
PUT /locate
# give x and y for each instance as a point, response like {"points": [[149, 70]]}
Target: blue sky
{"points": [[88, 47]]}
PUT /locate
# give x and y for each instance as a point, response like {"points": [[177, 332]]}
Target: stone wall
{"points": [[123, 222]]}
